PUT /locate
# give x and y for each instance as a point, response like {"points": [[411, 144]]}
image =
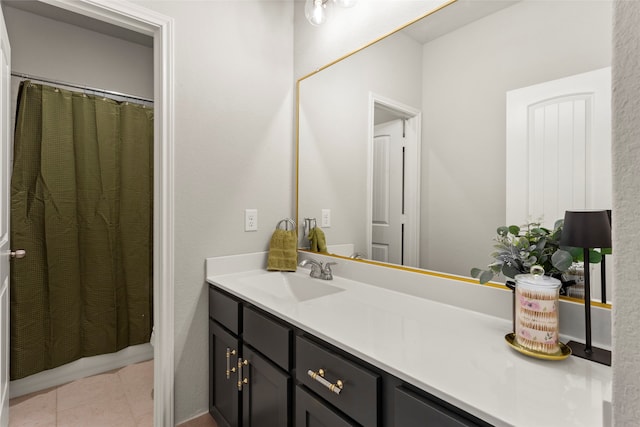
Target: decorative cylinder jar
{"points": [[536, 311]]}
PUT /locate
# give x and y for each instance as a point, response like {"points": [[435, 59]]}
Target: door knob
{"points": [[20, 253]]}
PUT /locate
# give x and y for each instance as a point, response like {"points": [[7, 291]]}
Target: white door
{"points": [[559, 152], [559, 148], [5, 250], [388, 193]]}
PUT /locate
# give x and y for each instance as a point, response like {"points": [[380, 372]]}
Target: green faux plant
{"points": [[518, 249]]}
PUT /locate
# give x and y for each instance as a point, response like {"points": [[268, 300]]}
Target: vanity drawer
{"points": [[413, 410], [268, 336], [224, 309], [360, 395]]}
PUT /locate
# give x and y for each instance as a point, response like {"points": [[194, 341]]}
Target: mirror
{"points": [[444, 81]]}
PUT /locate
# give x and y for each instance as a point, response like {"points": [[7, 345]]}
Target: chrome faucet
{"points": [[319, 270]]}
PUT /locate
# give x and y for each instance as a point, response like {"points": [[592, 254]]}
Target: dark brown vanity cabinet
{"points": [[266, 396], [249, 362], [267, 373]]}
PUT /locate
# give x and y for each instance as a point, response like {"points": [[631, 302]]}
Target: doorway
{"points": [[558, 155], [393, 196], [159, 27]]}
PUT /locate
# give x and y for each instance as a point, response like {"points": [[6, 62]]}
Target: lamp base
{"points": [[595, 355]]}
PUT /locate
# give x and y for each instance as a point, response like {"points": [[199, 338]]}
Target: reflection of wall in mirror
{"points": [[466, 76], [333, 125]]}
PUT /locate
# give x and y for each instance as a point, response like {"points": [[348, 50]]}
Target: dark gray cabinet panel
{"points": [[224, 310], [311, 412], [224, 398], [413, 410], [360, 397], [266, 396], [271, 338]]}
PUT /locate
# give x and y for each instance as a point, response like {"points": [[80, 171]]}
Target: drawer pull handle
{"points": [[319, 377], [229, 369], [242, 381]]}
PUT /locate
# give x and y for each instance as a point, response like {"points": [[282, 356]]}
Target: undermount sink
{"points": [[298, 286]]}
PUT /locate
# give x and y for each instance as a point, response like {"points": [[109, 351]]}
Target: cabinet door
{"points": [[311, 412], [412, 410], [266, 396], [224, 397]]}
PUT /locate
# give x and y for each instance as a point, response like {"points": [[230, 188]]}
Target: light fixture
{"points": [[316, 11], [346, 3], [587, 229], [603, 271]]}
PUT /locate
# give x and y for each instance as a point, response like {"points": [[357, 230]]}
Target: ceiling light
{"points": [[316, 11]]}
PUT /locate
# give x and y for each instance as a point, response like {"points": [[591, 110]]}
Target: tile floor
{"points": [[119, 398], [201, 421]]}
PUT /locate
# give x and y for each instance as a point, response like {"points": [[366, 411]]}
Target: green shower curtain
{"points": [[81, 207]]}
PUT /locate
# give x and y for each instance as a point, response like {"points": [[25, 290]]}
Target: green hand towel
{"points": [[313, 243], [318, 240], [283, 251]]}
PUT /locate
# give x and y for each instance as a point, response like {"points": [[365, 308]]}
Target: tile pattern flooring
{"points": [[119, 398], [201, 421]]}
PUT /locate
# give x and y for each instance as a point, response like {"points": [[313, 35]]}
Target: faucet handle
{"points": [[316, 267], [327, 274]]}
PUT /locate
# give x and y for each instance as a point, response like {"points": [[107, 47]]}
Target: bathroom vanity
{"points": [[298, 351]]}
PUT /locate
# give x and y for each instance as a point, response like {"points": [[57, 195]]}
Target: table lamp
{"points": [[587, 230], [603, 271]]}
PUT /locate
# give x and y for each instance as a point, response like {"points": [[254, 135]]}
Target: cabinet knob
{"points": [[18, 254]]}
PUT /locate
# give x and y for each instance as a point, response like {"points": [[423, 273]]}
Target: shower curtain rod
{"points": [[77, 86]]}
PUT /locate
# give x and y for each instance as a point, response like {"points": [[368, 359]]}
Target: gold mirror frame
{"points": [[378, 263]]}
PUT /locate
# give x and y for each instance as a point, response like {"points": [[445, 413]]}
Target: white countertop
{"points": [[455, 354]]}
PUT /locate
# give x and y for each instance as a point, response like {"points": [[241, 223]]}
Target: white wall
{"points": [[46, 48], [466, 76], [626, 205], [233, 150], [334, 124]]}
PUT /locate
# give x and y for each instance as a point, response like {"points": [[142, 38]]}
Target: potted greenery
{"points": [[518, 249]]}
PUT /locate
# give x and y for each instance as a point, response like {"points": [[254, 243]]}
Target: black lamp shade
{"points": [[586, 229]]}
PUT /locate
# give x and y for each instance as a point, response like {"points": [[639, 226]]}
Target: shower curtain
{"points": [[81, 207]]}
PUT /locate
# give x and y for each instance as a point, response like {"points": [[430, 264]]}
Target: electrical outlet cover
{"points": [[326, 218], [250, 220]]}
